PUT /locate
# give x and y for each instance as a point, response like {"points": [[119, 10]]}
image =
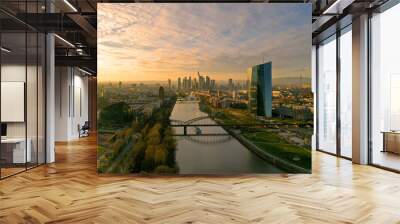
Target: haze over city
{"points": [[157, 42]]}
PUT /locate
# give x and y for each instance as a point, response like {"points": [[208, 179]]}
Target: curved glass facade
{"points": [[260, 89]]}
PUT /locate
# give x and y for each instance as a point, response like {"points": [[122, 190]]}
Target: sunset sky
{"points": [[157, 42]]}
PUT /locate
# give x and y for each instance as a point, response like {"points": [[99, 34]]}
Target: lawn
{"points": [[264, 136], [273, 144], [267, 139]]}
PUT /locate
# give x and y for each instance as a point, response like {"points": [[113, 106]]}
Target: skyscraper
{"points": [[169, 83], [260, 89], [179, 83], [207, 87], [194, 84], [212, 84], [201, 81], [230, 84], [184, 83], [190, 83]]}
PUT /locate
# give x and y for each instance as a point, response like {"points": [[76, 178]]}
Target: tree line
{"points": [[147, 146]]}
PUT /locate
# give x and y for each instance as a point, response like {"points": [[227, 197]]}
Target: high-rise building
{"points": [[179, 83], [190, 83], [230, 84], [212, 84], [194, 83], [184, 83], [260, 89], [201, 81], [169, 83], [207, 83]]}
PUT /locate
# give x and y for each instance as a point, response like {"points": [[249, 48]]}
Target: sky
{"points": [[156, 42]]}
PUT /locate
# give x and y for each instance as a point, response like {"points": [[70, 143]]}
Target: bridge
{"points": [[210, 139], [179, 122], [185, 127], [195, 122]]}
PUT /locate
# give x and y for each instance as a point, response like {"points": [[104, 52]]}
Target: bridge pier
{"points": [[185, 130]]}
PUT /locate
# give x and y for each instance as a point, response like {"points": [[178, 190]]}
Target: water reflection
{"points": [[212, 154]]}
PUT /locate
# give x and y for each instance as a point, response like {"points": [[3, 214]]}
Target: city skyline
{"points": [[289, 81], [166, 46]]}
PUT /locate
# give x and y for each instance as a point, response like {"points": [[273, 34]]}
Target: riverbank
{"points": [[275, 160], [214, 155], [266, 143]]}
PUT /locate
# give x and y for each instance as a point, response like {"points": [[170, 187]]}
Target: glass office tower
{"points": [[260, 89]]}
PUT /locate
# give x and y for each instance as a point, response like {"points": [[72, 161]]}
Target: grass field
{"points": [[269, 140], [273, 144]]}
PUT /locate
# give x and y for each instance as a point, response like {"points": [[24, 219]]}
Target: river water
{"points": [[212, 154]]}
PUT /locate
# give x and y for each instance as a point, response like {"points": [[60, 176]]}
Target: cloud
{"points": [[161, 41]]}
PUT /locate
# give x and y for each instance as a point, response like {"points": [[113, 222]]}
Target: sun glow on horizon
{"points": [[149, 42]]}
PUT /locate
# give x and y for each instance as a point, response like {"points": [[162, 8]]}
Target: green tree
{"points": [[115, 116], [160, 155], [170, 146], [153, 146], [136, 126], [117, 146], [148, 162], [153, 137], [138, 154], [128, 132]]}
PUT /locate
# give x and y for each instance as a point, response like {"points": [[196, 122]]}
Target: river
{"points": [[212, 154]]}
